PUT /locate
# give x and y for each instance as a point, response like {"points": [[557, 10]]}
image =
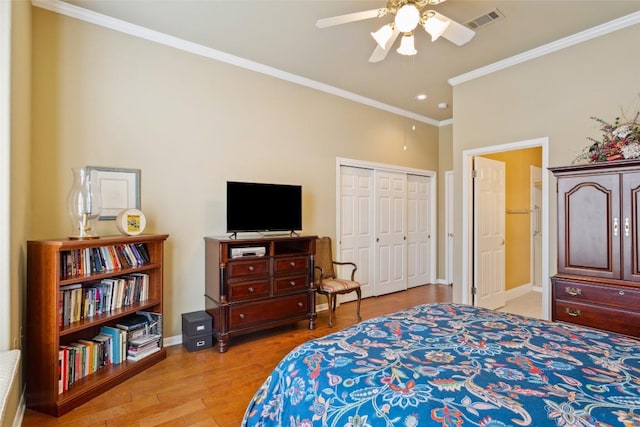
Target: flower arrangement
{"points": [[620, 140]]}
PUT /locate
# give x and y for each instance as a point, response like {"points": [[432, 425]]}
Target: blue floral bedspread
{"points": [[454, 365]]}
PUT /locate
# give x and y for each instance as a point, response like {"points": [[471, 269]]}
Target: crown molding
{"points": [[592, 33], [125, 27]]}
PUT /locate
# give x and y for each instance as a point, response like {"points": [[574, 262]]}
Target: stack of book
{"points": [[144, 334]]}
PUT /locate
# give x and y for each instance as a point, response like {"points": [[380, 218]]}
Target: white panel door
{"points": [[390, 229], [418, 230], [489, 213], [356, 225], [536, 226]]}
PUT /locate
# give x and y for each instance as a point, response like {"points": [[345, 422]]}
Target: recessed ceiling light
{"points": [[421, 96], [443, 105]]}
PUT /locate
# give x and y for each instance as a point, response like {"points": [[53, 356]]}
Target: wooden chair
{"points": [[327, 283]]}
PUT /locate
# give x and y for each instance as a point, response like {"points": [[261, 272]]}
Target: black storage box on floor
{"points": [[197, 330]]}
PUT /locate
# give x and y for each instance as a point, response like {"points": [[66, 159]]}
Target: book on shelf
{"points": [[88, 261], [141, 355], [144, 340], [83, 301], [92, 360], [155, 321], [103, 343], [142, 250], [134, 321], [116, 343], [144, 346]]}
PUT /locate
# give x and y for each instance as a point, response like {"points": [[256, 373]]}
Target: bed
{"points": [[454, 365]]}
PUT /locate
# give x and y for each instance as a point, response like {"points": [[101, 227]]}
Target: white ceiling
{"points": [[282, 34]]}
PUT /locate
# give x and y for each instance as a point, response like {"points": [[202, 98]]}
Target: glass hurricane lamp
{"points": [[83, 203]]}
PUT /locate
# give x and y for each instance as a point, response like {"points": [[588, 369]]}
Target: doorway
{"points": [[467, 236]]}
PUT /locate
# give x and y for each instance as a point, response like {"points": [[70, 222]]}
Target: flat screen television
{"points": [[263, 207]]}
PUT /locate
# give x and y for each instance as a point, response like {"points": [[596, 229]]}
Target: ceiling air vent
{"points": [[485, 19]]}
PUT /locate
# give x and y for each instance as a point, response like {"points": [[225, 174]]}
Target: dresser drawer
{"points": [[239, 291], [291, 284], [248, 314], [289, 265], [252, 267], [601, 317], [611, 295]]}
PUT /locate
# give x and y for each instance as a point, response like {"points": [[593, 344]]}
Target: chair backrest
{"points": [[324, 258]]}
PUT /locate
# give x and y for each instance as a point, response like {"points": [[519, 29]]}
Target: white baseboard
{"points": [[22, 407], [174, 340], [177, 339], [519, 291]]}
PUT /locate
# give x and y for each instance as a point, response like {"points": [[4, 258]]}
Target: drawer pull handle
{"points": [[251, 268], [242, 316], [292, 283], [292, 263], [251, 290], [574, 312], [621, 293], [300, 304], [573, 291]]}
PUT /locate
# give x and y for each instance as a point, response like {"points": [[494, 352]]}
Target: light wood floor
{"points": [[207, 388]]}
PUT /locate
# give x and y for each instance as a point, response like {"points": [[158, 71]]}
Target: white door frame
{"points": [[467, 216], [448, 227], [433, 190], [534, 224]]}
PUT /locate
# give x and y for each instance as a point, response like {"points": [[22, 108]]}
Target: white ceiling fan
{"points": [[408, 15]]}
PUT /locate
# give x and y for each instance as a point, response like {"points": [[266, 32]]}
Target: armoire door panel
{"points": [[630, 231], [590, 226]]}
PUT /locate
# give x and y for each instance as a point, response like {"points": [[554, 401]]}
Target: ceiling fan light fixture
{"points": [[435, 27], [407, 18], [383, 35], [407, 46]]}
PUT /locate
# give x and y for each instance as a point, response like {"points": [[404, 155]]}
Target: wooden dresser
{"points": [[258, 283], [598, 279]]}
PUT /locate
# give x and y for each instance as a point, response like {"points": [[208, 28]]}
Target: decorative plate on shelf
{"points": [[131, 222]]}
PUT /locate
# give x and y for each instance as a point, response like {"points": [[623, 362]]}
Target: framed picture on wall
{"points": [[119, 188]]}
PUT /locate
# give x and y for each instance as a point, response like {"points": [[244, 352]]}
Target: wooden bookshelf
{"points": [[45, 335]]}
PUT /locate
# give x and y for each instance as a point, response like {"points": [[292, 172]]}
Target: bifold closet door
{"points": [[418, 230], [356, 225], [390, 232]]}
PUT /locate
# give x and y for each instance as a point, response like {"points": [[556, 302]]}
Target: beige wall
{"points": [[190, 124], [19, 182], [517, 224], [445, 163], [550, 96]]}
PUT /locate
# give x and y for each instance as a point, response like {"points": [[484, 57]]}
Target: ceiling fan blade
{"points": [[455, 32], [379, 53], [350, 17]]}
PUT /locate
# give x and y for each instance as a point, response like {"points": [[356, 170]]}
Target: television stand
{"points": [[252, 293]]}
